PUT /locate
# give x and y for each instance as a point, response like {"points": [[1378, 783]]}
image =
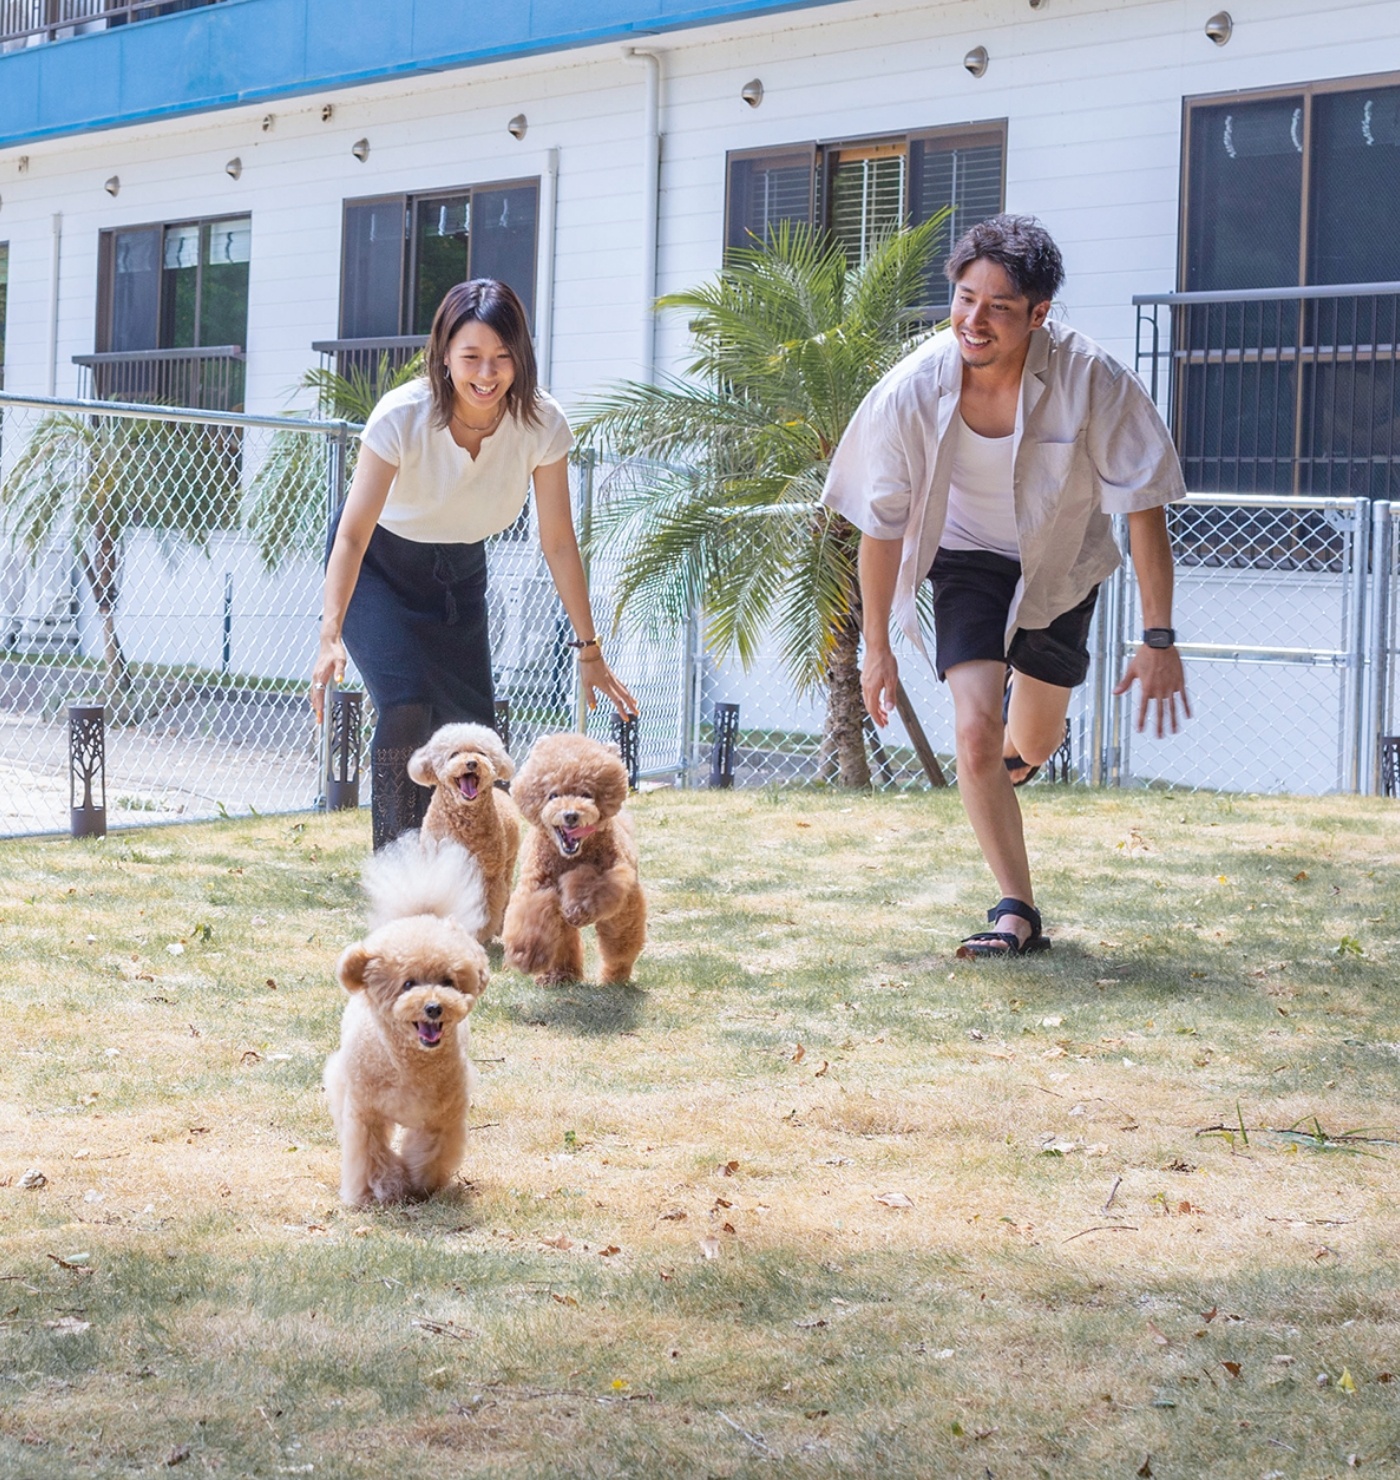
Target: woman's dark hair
{"points": [[494, 304], [1020, 246]]}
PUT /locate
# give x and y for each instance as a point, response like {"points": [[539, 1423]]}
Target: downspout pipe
{"points": [[651, 203], [55, 261], [544, 319]]}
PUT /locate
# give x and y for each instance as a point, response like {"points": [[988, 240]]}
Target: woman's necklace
{"points": [[491, 425]]}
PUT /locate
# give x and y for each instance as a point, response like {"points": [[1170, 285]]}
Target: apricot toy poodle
{"points": [[579, 864]]}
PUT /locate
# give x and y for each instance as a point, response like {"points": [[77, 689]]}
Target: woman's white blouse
{"points": [[441, 494]]}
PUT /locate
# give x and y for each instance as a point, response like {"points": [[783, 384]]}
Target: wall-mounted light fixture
{"points": [[976, 60], [268, 120], [1219, 27], [517, 126], [112, 185], [23, 164], [752, 92], [1039, 4], [234, 168], [360, 149], [327, 112]]}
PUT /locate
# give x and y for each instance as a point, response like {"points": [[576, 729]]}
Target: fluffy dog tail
{"points": [[426, 876]]}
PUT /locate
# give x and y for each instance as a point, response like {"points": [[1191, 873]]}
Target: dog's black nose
{"points": [[433, 1010], [570, 819]]}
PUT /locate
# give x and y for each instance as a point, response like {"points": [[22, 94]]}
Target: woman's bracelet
{"points": [[582, 642]]}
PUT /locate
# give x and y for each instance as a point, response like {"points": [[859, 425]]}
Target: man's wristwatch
{"points": [[1159, 637]]}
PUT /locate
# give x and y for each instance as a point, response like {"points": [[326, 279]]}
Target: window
{"points": [[1292, 189], [401, 253], [173, 313], [861, 190]]}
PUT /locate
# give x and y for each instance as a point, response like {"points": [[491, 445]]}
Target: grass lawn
{"points": [[811, 1199]]}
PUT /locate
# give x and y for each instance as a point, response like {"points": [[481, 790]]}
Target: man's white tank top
{"points": [[981, 505]]}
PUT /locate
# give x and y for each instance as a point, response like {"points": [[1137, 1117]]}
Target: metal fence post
{"points": [[1378, 629], [586, 463], [1355, 637], [337, 458]]}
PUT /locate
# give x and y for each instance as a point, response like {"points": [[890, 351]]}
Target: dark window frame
{"points": [[825, 156], [106, 274], [408, 201]]}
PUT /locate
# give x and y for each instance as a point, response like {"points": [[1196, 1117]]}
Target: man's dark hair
{"points": [[1020, 246], [495, 305]]}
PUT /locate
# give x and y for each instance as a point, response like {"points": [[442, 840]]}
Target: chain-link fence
{"points": [[166, 565]]}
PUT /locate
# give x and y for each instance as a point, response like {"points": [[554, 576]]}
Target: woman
{"points": [[445, 463]]}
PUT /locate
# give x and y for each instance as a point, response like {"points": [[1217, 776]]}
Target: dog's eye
{"points": [[554, 796], [408, 986]]}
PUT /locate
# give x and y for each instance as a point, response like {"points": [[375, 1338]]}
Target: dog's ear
{"points": [[471, 981], [422, 765], [526, 791], [610, 784], [354, 962], [500, 758]]}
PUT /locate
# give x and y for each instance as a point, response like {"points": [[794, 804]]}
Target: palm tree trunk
{"points": [[844, 732], [101, 572]]}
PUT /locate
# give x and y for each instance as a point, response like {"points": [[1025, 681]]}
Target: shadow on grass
{"points": [[581, 1008]]}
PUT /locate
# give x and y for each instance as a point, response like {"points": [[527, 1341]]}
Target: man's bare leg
{"points": [[985, 785], [1035, 726]]}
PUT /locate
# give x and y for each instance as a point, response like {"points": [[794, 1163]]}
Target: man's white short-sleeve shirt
{"points": [[1089, 444]]}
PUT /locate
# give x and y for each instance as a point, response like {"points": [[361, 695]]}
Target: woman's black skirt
{"points": [[417, 628]]}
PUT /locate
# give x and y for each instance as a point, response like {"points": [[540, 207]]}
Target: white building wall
{"points": [[1092, 90]]}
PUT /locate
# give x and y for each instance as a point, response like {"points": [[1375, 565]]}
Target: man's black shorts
{"points": [[972, 592]]}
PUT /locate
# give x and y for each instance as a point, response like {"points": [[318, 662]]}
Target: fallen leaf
{"points": [[1157, 1335], [1209, 1315], [798, 1054], [177, 1456], [728, 1169], [569, 1299], [676, 1215], [1346, 1381], [561, 1241], [609, 1251], [1054, 1053], [1233, 1368], [812, 1324], [709, 1248], [894, 1200], [1300, 876], [1144, 1470], [68, 1326], [825, 1066]]}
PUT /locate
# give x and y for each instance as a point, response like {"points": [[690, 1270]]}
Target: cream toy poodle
{"points": [[402, 1065], [462, 762], [579, 865]]}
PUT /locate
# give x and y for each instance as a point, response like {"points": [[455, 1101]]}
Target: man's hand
{"points": [[1162, 680], [879, 681]]}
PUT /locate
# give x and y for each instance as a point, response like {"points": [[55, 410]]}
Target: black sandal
{"points": [[1004, 942]]}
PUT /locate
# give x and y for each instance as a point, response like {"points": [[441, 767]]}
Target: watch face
{"points": [[1159, 637]]}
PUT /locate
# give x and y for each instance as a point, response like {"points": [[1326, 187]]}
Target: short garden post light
{"points": [[87, 770], [346, 721]]}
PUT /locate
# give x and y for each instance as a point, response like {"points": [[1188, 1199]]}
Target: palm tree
{"points": [[93, 478], [285, 510], [723, 471]]}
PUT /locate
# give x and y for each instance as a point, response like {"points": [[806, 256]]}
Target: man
{"points": [[991, 460]]}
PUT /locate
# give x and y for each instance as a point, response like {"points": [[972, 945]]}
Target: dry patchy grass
{"points": [[812, 1198]]}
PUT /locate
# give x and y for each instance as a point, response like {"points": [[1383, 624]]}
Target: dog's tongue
{"points": [[574, 834], [468, 787], [429, 1033]]}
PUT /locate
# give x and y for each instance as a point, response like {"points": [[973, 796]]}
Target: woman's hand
{"points": [[598, 678], [330, 666]]}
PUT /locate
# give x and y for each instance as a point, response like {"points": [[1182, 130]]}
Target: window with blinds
{"points": [[862, 190]]}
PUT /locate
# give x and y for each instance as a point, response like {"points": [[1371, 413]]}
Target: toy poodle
{"points": [[462, 762], [579, 866], [403, 1059]]}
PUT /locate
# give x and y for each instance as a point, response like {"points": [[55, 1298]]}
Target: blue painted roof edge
{"points": [[157, 46]]}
